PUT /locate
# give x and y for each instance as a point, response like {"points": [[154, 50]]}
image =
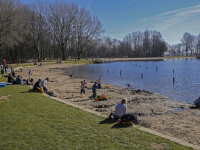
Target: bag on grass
{"points": [[127, 119], [50, 93], [40, 89]]}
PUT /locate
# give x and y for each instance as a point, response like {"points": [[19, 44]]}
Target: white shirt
{"points": [[42, 84], [120, 109]]}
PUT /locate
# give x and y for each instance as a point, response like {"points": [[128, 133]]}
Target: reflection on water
{"points": [[157, 76]]}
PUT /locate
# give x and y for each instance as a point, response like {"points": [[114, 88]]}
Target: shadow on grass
{"points": [[120, 126], [107, 121], [29, 91]]}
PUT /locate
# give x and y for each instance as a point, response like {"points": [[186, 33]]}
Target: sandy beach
{"points": [[154, 111]]}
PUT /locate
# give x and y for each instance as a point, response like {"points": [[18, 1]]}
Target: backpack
{"points": [[40, 89], [128, 119]]}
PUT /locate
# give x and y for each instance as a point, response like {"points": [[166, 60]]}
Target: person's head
{"points": [[18, 76], [124, 101], [47, 79], [39, 80], [31, 80], [10, 75], [95, 82], [84, 80], [81, 82]]}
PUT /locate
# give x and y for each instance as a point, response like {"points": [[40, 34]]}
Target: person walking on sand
{"points": [[29, 74], [94, 88], [82, 88]]}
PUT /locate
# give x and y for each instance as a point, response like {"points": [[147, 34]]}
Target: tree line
{"points": [[189, 45], [57, 30]]}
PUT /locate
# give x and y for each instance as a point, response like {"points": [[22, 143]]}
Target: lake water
{"points": [[186, 73]]}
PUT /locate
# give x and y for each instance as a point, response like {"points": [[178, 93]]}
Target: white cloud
{"points": [[173, 24], [128, 3]]}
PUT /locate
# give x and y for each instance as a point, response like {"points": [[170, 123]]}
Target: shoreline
{"points": [[154, 111], [102, 60]]}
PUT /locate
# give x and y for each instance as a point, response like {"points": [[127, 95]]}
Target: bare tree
{"points": [[87, 30], [38, 26], [61, 20], [187, 41]]}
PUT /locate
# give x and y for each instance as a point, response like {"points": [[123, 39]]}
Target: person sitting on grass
{"points": [[29, 81], [42, 84], [120, 109], [10, 79], [18, 79], [37, 85], [13, 73]]}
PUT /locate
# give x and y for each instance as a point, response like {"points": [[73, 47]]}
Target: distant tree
{"points": [[187, 41]]}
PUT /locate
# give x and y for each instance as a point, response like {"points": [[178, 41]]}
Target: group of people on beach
{"points": [[96, 85]]}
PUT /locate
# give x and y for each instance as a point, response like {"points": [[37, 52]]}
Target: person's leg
{"points": [[81, 92], [94, 95]]}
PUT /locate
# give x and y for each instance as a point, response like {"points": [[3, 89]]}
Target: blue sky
{"points": [[119, 17]]}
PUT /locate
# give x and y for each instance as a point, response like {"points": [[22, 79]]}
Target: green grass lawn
{"points": [[30, 120]]}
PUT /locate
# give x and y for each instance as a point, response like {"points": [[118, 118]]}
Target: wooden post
{"points": [[100, 79], [92, 71], [141, 75], [173, 80], [156, 68], [173, 71], [120, 72]]}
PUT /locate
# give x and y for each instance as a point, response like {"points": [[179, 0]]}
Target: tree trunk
{"points": [[63, 53], [79, 55], [38, 54]]}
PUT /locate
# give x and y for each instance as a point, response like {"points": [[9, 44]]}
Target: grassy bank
{"points": [[29, 120]]}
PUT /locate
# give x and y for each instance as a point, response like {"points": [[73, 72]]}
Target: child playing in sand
{"points": [[94, 88], [85, 83], [82, 88], [129, 85]]}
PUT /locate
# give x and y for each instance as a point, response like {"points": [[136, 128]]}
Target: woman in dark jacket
{"points": [[37, 85], [10, 79]]}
